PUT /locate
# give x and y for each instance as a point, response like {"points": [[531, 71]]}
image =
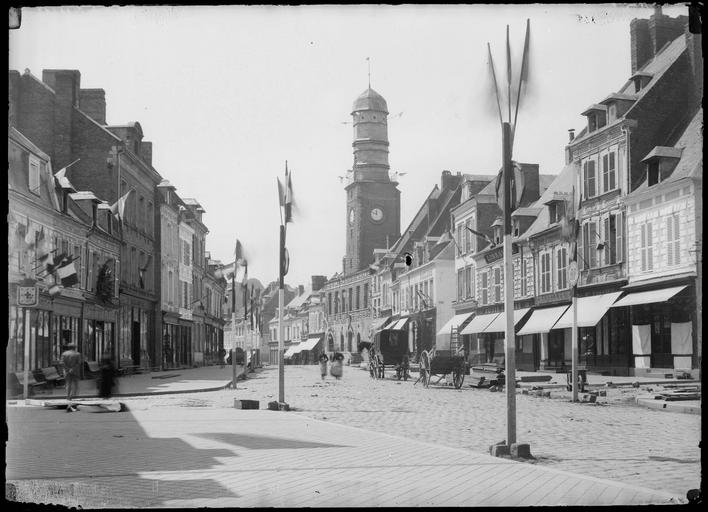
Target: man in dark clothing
{"points": [[72, 371]]}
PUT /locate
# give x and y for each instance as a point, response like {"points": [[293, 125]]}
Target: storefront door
{"points": [[135, 343], [661, 339], [556, 348]]}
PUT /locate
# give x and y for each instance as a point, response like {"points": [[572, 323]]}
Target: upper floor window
{"points": [[33, 170], [589, 177], [647, 247], [460, 237], [469, 289], [653, 175], [485, 287], [497, 234], [358, 297], [524, 289], [613, 239], [186, 253], [556, 211], [673, 240], [497, 285], [562, 266], [609, 169], [545, 272], [590, 240], [469, 237], [461, 284]]}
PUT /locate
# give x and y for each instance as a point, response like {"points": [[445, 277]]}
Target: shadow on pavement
{"points": [[263, 442], [96, 460]]}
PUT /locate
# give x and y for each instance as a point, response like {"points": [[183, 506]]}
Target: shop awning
{"points": [[542, 320], [499, 323], [378, 323], [648, 297], [311, 342], [401, 324], [479, 323], [456, 321], [292, 350], [590, 310]]}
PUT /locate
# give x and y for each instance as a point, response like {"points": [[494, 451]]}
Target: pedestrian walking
{"points": [[323, 364], [222, 357], [337, 365], [72, 361], [106, 380]]}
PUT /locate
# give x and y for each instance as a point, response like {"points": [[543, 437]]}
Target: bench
{"points": [[127, 367], [92, 368], [51, 374], [31, 382]]}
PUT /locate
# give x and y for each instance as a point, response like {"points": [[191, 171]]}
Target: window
{"points": [[485, 287], [653, 172], [461, 284], [562, 264], [149, 222], [350, 300], [673, 243], [497, 234], [546, 272], [613, 239], [469, 238], [609, 171], [141, 213], [432, 295], [366, 295], [185, 294], [469, 289], [186, 251], [589, 179], [516, 227], [497, 285], [647, 249], [590, 240], [33, 170], [460, 239], [524, 290], [556, 211], [169, 287], [358, 297]]}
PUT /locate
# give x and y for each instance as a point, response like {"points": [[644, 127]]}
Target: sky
{"points": [[227, 94]]}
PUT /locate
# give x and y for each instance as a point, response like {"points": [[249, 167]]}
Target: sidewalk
{"points": [[206, 378], [195, 457]]}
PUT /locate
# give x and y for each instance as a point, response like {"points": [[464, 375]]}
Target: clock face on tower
{"points": [[377, 214]]}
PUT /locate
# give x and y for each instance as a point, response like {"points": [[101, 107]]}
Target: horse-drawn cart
{"points": [[442, 363], [389, 350]]}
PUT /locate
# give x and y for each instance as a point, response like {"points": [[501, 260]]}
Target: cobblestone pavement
{"points": [[614, 439]]}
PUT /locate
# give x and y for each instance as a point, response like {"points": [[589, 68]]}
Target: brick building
{"points": [[84, 313], [69, 124]]}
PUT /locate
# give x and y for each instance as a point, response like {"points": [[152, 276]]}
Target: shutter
{"points": [[609, 244], [605, 173], [670, 241], [677, 243], [580, 250], [643, 245], [613, 170], [619, 237], [650, 247]]}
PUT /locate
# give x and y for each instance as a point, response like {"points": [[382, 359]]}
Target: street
{"points": [[618, 441]]}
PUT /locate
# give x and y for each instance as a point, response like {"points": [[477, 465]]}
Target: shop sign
{"points": [[27, 296]]}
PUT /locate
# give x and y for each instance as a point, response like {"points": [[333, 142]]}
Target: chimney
{"points": [[146, 152], [531, 184], [449, 181], [571, 134], [664, 29], [318, 282], [92, 102], [65, 83], [695, 55], [640, 43]]}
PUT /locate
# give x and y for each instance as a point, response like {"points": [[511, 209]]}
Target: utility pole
{"points": [[281, 300], [509, 334]]}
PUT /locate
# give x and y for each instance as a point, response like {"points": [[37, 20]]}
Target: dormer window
{"points": [[516, 227], [556, 211], [597, 116], [640, 80], [660, 163], [497, 234]]}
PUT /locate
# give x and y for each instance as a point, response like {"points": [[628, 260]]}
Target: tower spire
{"points": [[368, 63]]}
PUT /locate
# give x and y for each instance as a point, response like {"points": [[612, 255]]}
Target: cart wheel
{"points": [[425, 368], [458, 377]]}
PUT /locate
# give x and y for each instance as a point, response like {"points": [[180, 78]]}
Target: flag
{"points": [[493, 83], [42, 252], [67, 274], [53, 263], [481, 235], [29, 237], [288, 199], [118, 208], [517, 186], [54, 289], [241, 272]]}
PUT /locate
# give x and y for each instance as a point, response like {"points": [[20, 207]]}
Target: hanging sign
{"points": [[27, 296]]}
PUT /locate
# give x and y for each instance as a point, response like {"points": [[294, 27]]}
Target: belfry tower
{"points": [[373, 217]]}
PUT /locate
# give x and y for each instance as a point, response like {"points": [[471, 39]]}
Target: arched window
{"points": [[350, 336]]}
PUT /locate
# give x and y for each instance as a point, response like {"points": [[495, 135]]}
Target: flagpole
{"points": [[281, 299], [509, 335]]}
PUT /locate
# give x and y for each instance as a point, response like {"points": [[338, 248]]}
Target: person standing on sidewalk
{"points": [[71, 359], [337, 365], [323, 364], [107, 379]]}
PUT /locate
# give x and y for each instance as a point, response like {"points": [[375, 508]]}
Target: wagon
{"points": [[441, 363], [389, 350]]}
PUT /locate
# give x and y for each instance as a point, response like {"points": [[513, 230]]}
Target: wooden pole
{"points": [[281, 299], [574, 362], [27, 321], [510, 337]]}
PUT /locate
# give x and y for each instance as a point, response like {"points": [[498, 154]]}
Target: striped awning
{"points": [[649, 297], [292, 350], [590, 310], [455, 322], [479, 323], [542, 320], [499, 323]]}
